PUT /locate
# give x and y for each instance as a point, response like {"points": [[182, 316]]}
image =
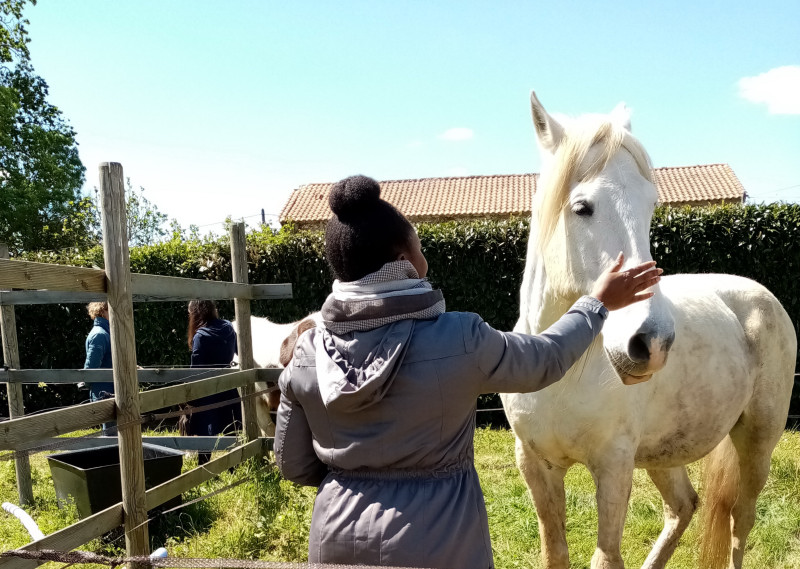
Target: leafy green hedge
{"points": [[477, 264]]}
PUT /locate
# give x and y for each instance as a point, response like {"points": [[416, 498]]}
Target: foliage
{"points": [[477, 264], [289, 256], [146, 223], [41, 174], [13, 34]]}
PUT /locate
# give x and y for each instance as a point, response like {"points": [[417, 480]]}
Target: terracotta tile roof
{"points": [[437, 199], [698, 185]]}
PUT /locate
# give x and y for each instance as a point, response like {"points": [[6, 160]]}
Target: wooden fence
{"points": [[46, 283]]}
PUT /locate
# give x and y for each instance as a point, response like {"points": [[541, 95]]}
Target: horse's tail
{"points": [[721, 489]]}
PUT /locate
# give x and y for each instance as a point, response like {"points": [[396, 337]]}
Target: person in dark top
{"points": [[213, 344]]}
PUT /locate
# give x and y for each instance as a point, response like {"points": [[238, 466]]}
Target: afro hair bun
{"points": [[354, 196]]}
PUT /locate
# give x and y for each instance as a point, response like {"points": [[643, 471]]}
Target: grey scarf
{"points": [[394, 292]]}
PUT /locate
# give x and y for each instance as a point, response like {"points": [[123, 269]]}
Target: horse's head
{"points": [[596, 198]]}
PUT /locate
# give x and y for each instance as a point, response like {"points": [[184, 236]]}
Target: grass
{"points": [[268, 518], [774, 542]]}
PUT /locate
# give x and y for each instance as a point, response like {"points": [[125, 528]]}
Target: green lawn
{"points": [[267, 518], [774, 542]]}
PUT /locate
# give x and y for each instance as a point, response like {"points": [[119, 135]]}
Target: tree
{"points": [[147, 225], [41, 174], [13, 35], [145, 221]]}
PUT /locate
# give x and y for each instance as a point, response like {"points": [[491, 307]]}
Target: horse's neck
{"points": [[540, 306]]}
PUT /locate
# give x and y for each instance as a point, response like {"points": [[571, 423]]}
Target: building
{"points": [[497, 197]]}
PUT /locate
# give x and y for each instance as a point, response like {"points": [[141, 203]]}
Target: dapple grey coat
{"points": [[383, 422]]}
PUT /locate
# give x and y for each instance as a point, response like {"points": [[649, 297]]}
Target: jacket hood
{"points": [[221, 329], [102, 323], [356, 370]]}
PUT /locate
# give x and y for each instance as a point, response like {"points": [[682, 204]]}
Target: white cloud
{"points": [[459, 133], [778, 88]]}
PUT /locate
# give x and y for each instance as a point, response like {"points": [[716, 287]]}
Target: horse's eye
{"points": [[582, 208]]}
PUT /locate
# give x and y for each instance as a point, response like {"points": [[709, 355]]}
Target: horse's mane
{"points": [[570, 165]]}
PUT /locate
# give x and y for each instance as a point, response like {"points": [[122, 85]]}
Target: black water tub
{"points": [[91, 477]]}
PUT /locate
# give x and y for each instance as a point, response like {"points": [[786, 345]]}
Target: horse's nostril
{"points": [[637, 348], [668, 342]]}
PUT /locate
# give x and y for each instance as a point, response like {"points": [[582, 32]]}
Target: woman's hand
{"points": [[617, 289]]}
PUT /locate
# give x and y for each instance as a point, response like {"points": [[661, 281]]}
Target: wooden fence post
{"points": [[244, 336], [8, 328], [123, 356]]}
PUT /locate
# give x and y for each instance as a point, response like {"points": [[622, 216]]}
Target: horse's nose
{"points": [[638, 348], [642, 345]]}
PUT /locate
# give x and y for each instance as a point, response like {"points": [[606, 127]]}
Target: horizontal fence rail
{"points": [[188, 480], [155, 375], [30, 275], [104, 521], [14, 434], [152, 288], [70, 537], [188, 443], [177, 394], [160, 288]]}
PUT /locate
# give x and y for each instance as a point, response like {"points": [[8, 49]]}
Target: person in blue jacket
{"points": [[212, 341], [98, 349], [98, 355]]}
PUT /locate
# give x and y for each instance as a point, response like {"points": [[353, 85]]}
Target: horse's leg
{"points": [[754, 444], [263, 407], [771, 341], [613, 478], [546, 484], [680, 503], [735, 473]]}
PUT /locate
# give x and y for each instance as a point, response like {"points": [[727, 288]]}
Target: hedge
{"points": [[477, 264]]}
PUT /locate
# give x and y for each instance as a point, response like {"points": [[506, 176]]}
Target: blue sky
{"points": [[223, 108]]}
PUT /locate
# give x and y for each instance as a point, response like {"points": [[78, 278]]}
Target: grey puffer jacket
{"points": [[383, 422]]}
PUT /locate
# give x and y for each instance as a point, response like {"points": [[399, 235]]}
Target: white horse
{"points": [[273, 345], [725, 387]]}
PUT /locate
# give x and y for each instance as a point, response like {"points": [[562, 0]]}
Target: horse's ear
{"points": [[548, 130], [621, 115], [287, 346]]}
